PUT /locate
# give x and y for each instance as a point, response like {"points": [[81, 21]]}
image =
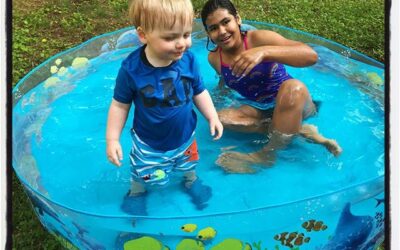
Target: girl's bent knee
{"points": [[293, 85], [293, 94]]}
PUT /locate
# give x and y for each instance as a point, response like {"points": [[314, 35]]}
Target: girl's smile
{"points": [[223, 28]]}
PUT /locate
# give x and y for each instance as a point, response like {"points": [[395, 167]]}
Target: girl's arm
{"points": [[205, 105], [117, 115], [271, 46], [280, 49]]}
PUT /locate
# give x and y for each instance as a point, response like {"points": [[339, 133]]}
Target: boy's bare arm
{"points": [[117, 115], [205, 105]]}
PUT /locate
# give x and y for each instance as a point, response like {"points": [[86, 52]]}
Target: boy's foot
{"points": [[134, 204], [199, 193]]}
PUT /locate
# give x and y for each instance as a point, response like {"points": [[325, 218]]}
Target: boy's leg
{"points": [[199, 192], [189, 178], [134, 201], [137, 188], [186, 162]]}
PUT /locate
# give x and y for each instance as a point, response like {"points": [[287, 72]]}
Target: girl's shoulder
{"points": [[257, 38]]}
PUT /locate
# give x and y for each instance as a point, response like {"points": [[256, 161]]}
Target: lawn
{"points": [[42, 28]]}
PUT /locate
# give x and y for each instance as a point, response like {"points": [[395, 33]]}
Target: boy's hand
{"points": [[216, 128], [114, 152]]}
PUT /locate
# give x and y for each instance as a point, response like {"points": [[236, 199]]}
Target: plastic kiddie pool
{"points": [[308, 199]]}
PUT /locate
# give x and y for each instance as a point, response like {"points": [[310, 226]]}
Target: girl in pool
{"points": [[251, 63]]}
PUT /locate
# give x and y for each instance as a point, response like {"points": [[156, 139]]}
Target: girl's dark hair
{"points": [[212, 5]]}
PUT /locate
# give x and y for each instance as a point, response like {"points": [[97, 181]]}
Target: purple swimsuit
{"points": [[261, 85]]}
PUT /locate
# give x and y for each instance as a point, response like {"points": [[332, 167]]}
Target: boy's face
{"points": [[165, 46]]}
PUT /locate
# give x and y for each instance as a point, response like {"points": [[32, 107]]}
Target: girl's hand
{"points": [[216, 128], [247, 60], [114, 152]]}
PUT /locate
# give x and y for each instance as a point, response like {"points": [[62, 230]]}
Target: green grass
{"points": [[42, 28], [355, 24]]}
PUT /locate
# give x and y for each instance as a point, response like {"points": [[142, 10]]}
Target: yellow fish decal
{"points": [[375, 79], [207, 233], [189, 228]]}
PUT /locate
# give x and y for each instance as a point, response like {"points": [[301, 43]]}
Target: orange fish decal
{"points": [[192, 153], [281, 237], [313, 225], [291, 239], [300, 240]]}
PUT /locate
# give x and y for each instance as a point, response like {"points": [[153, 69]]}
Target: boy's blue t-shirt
{"points": [[164, 117]]}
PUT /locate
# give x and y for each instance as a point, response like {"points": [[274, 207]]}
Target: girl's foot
{"points": [[333, 147], [236, 162], [311, 133]]}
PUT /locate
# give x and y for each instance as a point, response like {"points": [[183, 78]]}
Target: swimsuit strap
{"points": [[220, 55], [245, 40]]}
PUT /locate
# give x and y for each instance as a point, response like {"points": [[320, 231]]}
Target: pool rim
{"points": [[198, 20], [215, 214]]}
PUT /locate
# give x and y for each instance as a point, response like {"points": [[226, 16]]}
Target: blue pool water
{"points": [[59, 155]]}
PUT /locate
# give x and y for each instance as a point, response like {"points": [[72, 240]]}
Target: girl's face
{"points": [[223, 28]]}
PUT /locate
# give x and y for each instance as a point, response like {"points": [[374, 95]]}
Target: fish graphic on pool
{"points": [[352, 231], [292, 239], [313, 225]]}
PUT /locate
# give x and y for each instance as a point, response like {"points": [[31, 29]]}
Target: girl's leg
{"points": [[293, 100], [243, 119], [293, 104], [290, 103], [310, 132], [237, 162]]}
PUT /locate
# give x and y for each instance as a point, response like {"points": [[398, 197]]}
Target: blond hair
{"points": [[160, 14]]}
